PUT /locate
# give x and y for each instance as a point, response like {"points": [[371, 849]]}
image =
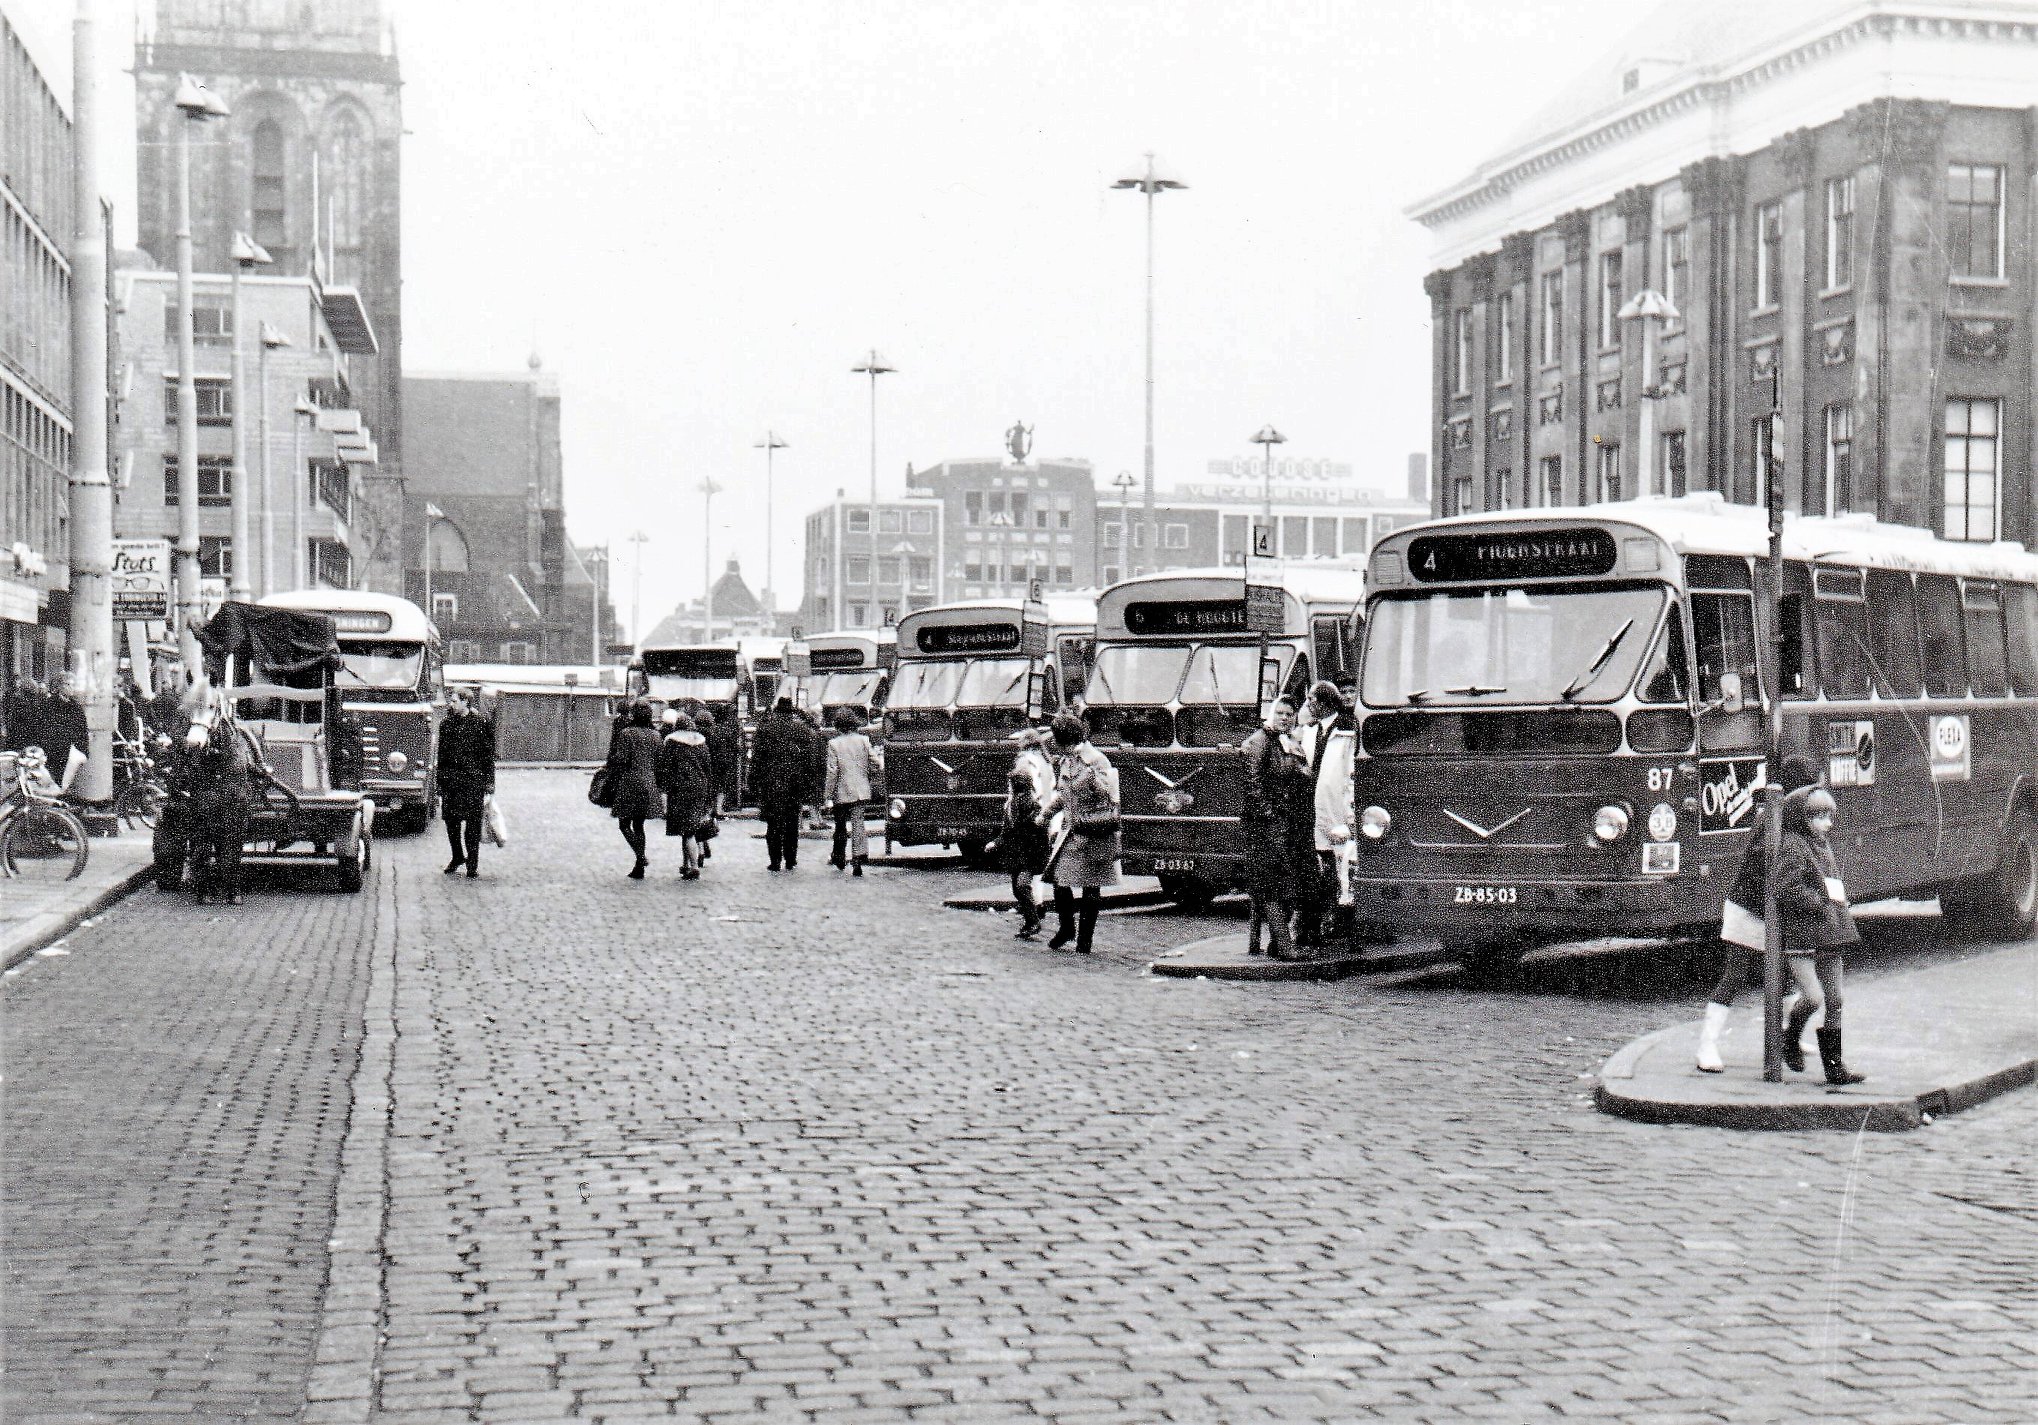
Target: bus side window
{"points": [[1296, 689], [1939, 633], [1893, 633], [2020, 602], [1843, 633], [1987, 658], [1664, 682], [1050, 695], [1799, 673], [1723, 626], [1327, 637]]}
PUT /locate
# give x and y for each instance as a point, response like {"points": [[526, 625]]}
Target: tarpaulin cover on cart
{"points": [[277, 641]]}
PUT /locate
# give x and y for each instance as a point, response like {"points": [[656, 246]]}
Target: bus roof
{"points": [[676, 646], [866, 638], [1706, 523], [1064, 610], [1306, 585], [407, 622], [761, 646]]}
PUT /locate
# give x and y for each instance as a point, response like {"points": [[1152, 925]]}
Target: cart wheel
{"points": [[139, 804], [351, 859]]}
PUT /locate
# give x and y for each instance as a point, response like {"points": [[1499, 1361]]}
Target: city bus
{"points": [[849, 668], [1563, 718], [969, 675], [392, 686], [709, 673], [763, 662], [1186, 663]]}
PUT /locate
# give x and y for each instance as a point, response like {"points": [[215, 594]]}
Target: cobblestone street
{"points": [[800, 1146]]}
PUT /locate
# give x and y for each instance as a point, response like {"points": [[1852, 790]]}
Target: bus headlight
{"points": [[896, 808], [396, 762], [1610, 823], [1662, 821], [1374, 823]]}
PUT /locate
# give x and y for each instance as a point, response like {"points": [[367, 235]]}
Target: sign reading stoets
{"points": [[1188, 616], [1545, 554], [141, 580], [970, 638]]}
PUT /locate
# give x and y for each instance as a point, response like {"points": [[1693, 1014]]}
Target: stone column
{"points": [[1575, 227], [1712, 188], [1438, 287]]}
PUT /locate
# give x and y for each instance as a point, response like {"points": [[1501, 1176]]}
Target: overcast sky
{"points": [[702, 215]]}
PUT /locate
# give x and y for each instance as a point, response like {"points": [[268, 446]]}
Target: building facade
{"points": [[857, 577], [732, 611], [305, 472], [1838, 206], [308, 165], [486, 549], [1006, 524], [37, 209]]}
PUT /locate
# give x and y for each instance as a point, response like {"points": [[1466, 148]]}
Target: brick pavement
{"points": [[799, 1147]]}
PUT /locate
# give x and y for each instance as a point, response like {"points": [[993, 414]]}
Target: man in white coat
{"points": [[1328, 737]]}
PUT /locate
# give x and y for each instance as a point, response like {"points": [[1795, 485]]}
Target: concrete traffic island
{"points": [[1130, 892], [1223, 957], [1931, 1042]]}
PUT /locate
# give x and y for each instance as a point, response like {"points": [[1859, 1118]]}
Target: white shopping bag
{"points": [[492, 822]]}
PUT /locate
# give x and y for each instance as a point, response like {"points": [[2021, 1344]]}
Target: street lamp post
{"points": [[246, 253], [770, 444], [92, 654], [1266, 438], [709, 489], [1124, 484], [1150, 183], [271, 340], [196, 103], [1652, 309], [640, 539], [304, 410], [433, 514], [873, 366]]}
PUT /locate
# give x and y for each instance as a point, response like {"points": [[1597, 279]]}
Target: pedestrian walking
{"points": [[466, 778], [1741, 927], [1085, 852], [1279, 823], [633, 774], [1818, 926], [1335, 749], [781, 773], [1323, 720], [846, 777], [725, 753], [1023, 840], [686, 776]]}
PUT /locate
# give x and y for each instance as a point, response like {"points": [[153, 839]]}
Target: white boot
{"points": [[1709, 1061]]}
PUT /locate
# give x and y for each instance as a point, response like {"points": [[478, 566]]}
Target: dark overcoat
{"points": [[466, 765], [633, 768]]}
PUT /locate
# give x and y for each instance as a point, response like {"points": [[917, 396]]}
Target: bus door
{"points": [[1732, 722]]}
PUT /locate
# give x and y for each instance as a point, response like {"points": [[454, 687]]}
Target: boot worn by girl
{"points": [[1065, 912], [1836, 1068], [1709, 1060], [1793, 1036], [1086, 920]]}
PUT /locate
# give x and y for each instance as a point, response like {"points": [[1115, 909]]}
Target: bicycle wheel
{"points": [[43, 843], [139, 803]]}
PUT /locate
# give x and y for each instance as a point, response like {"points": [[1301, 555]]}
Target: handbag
{"points": [[492, 823], [601, 788], [708, 830]]}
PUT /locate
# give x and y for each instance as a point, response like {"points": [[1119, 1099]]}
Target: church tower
{"points": [[308, 164]]}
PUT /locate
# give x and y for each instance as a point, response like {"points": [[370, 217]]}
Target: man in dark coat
{"points": [[725, 752], [25, 718], [466, 777], [781, 775]]}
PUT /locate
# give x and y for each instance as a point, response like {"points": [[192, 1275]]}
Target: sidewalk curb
{"points": [[1849, 1110], [39, 932], [1333, 967]]}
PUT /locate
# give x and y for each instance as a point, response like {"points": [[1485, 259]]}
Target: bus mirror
{"points": [[1730, 694]]}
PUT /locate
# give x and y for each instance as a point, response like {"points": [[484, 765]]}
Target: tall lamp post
{"points": [[246, 253], [769, 445], [1266, 438], [1123, 484], [433, 514], [709, 489], [300, 573], [1150, 183], [272, 340], [873, 366], [1652, 309], [196, 103], [91, 490], [640, 539]]}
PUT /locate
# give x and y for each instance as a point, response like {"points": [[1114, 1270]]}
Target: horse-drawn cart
{"points": [[273, 675]]}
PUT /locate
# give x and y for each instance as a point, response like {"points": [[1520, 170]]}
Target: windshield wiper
{"points": [[1584, 680], [998, 698], [1417, 695], [1473, 690]]}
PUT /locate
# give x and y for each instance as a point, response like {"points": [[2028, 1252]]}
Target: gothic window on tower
{"points": [[346, 194], [266, 201]]}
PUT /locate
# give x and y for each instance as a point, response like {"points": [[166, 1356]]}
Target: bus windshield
{"points": [[994, 683], [1492, 647], [672, 687], [1139, 674], [849, 689], [384, 667], [924, 685]]}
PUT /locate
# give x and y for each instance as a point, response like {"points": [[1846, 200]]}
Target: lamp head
{"points": [[1267, 435], [197, 101], [1125, 480], [304, 407], [873, 365], [272, 338], [770, 442], [249, 253]]}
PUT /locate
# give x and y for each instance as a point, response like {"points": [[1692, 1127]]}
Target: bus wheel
{"points": [[2004, 904], [1189, 893]]}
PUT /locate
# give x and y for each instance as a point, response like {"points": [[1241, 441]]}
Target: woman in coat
{"points": [[686, 776], [1818, 926], [466, 777], [1022, 840], [1280, 817], [633, 774], [845, 786], [1086, 849]]}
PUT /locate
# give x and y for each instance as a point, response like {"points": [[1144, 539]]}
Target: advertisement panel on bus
{"points": [[392, 690], [1563, 717]]}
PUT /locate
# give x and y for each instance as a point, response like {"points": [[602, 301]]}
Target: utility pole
{"points": [[709, 489], [246, 253], [91, 551], [1772, 819], [769, 445], [640, 539]]}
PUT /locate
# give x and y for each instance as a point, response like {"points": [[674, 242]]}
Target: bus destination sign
{"points": [[1188, 616], [835, 658], [970, 638], [1492, 554]]}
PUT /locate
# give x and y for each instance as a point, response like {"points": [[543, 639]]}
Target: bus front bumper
{"points": [[943, 820], [1467, 908]]}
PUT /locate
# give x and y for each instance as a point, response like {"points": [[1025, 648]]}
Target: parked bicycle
{"points": [[139, 789], [41, 839]]}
